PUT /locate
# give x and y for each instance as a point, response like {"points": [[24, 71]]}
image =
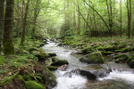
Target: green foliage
{"points": [[2, 60], [17, 61]]}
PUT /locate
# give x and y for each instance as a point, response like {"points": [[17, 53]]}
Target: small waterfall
{"points": [[127, 76], [65, 81]]}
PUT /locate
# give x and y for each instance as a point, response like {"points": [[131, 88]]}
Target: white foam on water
{"points": [[127, 76], [73, 82]]}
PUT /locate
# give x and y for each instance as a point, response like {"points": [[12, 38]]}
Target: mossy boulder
{"points": [[100, 48], [122, 57], [33, 85], [41, 44], [86, 50], [59, 63], [131, 64], [40, 55], [117, 61], [52, 67], [122, 45], [60, 44], [52, 54], [46, 75], [93, 58], [110, 48], [107, 52], [54, 59]]}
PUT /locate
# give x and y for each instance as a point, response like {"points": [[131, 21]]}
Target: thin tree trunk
{"points": [[129, 16], [8, 25], [1, 22], [98, 14], [36, 13], [24, 24], [18, 21], [78, 29], [121, 18], [109, 9]]}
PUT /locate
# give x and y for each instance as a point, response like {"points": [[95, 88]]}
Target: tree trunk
{"points": [[8, 25], [78, 29], [129, 16], [18, 21], [109, 9], [1, 22], [24, 24], [121, 18], [98, 15], [36, 13]]}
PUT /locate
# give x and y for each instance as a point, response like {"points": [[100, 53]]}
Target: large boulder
{"points": [[93, 58], [86, 50], [89, 75], [46, 75], [39, 53]]}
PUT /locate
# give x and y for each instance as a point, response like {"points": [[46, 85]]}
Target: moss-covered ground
{"points": [[22, 70]]}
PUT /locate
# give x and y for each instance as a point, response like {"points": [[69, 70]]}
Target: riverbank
{"points": [[24, 70], [107, 46]]}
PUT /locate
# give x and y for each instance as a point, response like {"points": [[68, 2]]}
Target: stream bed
{"points": [[116, 79]]}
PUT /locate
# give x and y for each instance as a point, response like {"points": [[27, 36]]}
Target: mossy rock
{"points": [[126, 49], [129, 60], [107, 52], [110, 48], [52, 67], [122, 57], [100, 48], [52, 54], [93, 58], [49, 77], [120, 50], [40, 55], [32, 49], [54, 59], [46, 75], [41, 44], [87, 50], [59, 63], [131, 64], [33, 85], [122, 45], [60, 44], [117, 61]]}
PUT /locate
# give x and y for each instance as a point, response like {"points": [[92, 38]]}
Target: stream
{"points": [[116, 79]]}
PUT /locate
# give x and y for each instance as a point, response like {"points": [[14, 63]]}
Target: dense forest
{"points": [[99, 27]]}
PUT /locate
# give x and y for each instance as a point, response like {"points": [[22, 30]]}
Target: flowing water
{"points": [[116, 79]]}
